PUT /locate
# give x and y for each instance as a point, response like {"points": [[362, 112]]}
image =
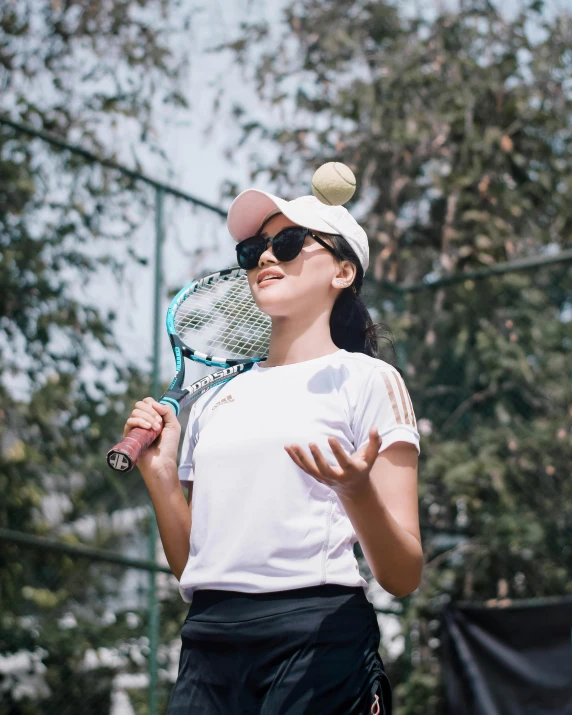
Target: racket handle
{"points": [[123, 457]]}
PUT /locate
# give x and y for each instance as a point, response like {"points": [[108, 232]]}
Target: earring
{"points": [[342, 283]]}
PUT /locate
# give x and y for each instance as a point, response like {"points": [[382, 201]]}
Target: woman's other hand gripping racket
{"points": [[161, 422], [214, 321]]}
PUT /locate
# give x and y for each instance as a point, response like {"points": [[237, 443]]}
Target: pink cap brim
{"points": [[248, 211]]}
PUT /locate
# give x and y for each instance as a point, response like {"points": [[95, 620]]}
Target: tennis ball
{"points": [[333, 183]]}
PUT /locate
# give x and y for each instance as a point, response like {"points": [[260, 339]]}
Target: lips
{"points": [[269, 275]]}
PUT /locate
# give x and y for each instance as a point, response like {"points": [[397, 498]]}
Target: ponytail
{"points": [[351, 325]]}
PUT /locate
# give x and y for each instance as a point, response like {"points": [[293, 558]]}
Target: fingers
{"points": [[133, 422], [323, 467], [349, 466], [372, 449], [316, 467], [294, 457], [302, 460], [343, 459], [166, 412], [146, 414], [147, 409]]}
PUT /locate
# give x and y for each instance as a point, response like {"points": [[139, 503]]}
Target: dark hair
{"points": [[351, 325]]}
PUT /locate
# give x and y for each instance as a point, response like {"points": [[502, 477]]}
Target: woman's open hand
{"points": [[352, 473]]}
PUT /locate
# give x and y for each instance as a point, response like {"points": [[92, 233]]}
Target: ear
{"points": [[345, 275]]}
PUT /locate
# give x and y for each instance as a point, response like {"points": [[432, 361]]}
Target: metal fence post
{"points": [[156, 390], [400, 348]]}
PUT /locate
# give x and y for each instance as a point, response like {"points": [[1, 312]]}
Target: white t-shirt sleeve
{"points": [[384, 402], [186, 470]]}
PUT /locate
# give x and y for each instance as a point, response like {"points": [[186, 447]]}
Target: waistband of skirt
{"points": [[210, 596], [205, 600]]}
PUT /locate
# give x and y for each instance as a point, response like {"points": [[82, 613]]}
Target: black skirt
{"points": [[308, 651]]}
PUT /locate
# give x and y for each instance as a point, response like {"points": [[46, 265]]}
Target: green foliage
{"points": [[458, 128], [81, 70]]}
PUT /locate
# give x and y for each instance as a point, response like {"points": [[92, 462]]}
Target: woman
{"points": [[287, 466]]}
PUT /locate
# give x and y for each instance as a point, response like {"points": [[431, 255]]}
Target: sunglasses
{"points": [[286, 245]]}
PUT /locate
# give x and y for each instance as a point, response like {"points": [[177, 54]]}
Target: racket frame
{"points": [[176, 396]]}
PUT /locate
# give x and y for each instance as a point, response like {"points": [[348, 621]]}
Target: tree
{"points": [[79, 70], [458, 128]]}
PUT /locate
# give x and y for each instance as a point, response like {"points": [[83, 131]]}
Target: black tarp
{"points": [[513, 660]]}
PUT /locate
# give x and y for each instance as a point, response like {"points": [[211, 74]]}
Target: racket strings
{"points": [[236, 321], [220, 318]]}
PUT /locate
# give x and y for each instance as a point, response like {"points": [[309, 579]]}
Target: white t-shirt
{"points": [[260, 523]]}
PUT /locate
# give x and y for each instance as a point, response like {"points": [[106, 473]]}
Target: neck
{"points": [[299, 339]]}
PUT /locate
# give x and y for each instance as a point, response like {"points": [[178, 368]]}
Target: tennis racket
{"points": [[214, 321]]}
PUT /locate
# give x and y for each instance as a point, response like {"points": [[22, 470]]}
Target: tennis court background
{"points": [[97, 633]]}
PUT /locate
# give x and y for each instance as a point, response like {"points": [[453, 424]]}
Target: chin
{"points": [[274, 308], [275, 301]]}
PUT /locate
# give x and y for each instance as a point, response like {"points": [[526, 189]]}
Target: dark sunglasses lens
{"points": [[249, 251], [288, 243]]}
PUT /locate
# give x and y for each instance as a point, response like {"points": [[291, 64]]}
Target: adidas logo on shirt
{"points": [[224, 401]]}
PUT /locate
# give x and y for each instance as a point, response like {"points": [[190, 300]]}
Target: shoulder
{"points": [[380, 398], [365, 368], [375, 384]]}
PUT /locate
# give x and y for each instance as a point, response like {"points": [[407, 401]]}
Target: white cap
{"points": [[251, 207]]}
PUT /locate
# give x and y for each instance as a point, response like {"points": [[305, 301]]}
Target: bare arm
{"points": [[379, 494], [386, 520], [173, 516], [159, 469]]}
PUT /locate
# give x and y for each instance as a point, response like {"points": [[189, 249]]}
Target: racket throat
{"points": [[174, 397]]}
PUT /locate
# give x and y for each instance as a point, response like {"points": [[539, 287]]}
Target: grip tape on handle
{"points": [[123, 457]]}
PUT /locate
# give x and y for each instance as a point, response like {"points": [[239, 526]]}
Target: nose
{"points": [[267, 256]]}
